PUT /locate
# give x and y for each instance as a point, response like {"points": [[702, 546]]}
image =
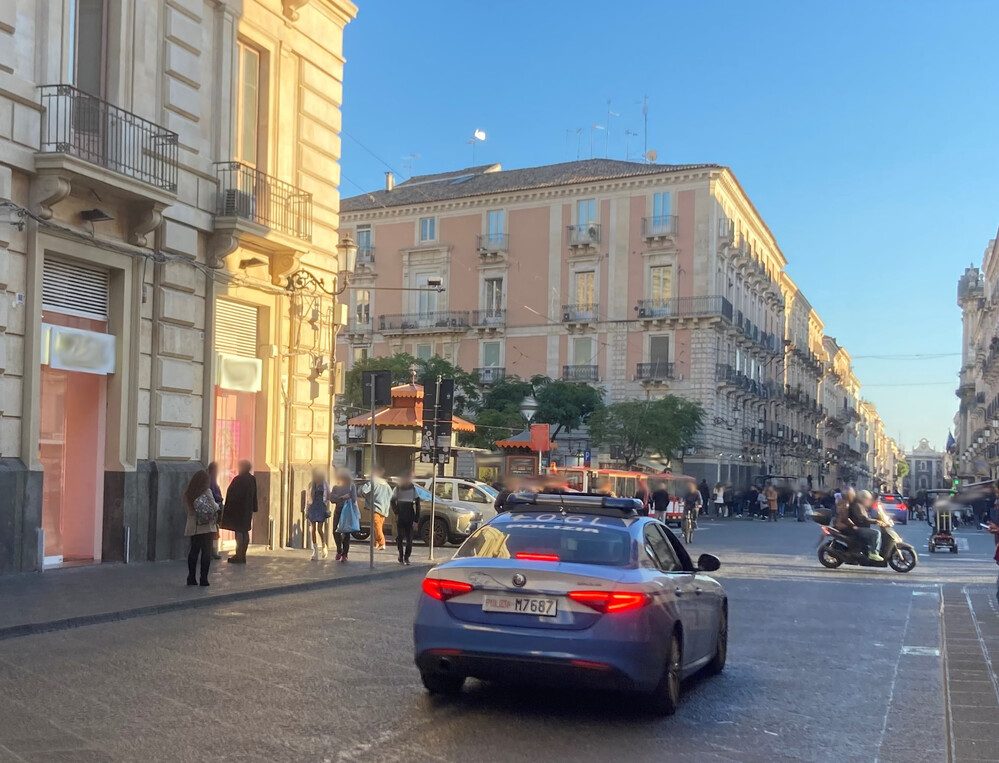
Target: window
{"points": [[426, 300], [360, 354], [491, 355], [444, 490], [584, 287], [660, 204], [363, 239], [660, 283], [248, 105], [659, 349], [582, 351], [586, 211], [495, 223], [493, 295], [362, 306], [424, 351], [600, 544], [469, 492], [88, 21], [428, 229], [659, 549]]}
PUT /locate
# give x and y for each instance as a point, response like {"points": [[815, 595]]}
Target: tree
{"points": [[466, 389], [499, 415], [901, 469], [637, 428], [563, 404]]}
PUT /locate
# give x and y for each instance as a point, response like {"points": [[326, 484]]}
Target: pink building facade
{"points": [[642, 279]]}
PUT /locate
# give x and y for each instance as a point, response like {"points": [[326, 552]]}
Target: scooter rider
{"points": [[866, 528]]}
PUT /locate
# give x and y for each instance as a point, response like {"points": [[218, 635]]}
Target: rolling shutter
{"points": [[75, 289], [235, 329]]}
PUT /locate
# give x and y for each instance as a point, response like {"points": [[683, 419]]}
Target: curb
{"points": [[79, 621]]}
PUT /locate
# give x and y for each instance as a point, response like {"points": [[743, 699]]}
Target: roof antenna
{"points": [[479, 136]]}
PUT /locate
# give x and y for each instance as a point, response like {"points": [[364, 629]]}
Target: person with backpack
{"points": [[201, 526], [343, 496], [318, 515]]}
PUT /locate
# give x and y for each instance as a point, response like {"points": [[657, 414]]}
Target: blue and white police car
{"points": [[568, 588]]}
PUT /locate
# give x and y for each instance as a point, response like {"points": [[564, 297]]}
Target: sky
{"points": [[864, 133]]}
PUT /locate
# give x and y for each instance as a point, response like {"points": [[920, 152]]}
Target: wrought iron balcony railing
{"points": [[658, 226], [580, 373], [490, 375], [250, 194], [492, 243], [579, 313], [366, 255], [684, 307], [587, 234], [489, 317], [84, 126], [430, 322], [654, 371]]}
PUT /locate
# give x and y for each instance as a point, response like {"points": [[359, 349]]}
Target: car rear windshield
{"points": [[583, 542]]}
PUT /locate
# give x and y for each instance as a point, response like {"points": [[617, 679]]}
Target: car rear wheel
{"points": [[666, 696], [717, 664], [442, 683]]}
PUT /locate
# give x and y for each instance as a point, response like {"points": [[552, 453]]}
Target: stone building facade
{"points": [[643, 279], [166, 167]]}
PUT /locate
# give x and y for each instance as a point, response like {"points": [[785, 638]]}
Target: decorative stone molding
{"points": [[147, 221], [47, 190], [280, 264], [290, 8], [220, 246]]}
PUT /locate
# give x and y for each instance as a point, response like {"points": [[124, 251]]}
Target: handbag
{"points": [[350, 517]]}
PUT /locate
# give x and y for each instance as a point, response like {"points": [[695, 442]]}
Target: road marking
{"points": [[921, 651]]}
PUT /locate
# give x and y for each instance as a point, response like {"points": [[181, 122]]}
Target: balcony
{"points": [[581, 314], [81, 125], [365, 257], [249, 194], [490, 320], [490, 375], [583, 236], [117, 155], [493, 244], [580, 373], [661, 310], [659, 227], [438, 322], [359, 330], [656, 372]]}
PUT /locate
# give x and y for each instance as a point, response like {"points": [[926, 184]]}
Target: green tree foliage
{"points": [[565, 405], [639, 428], [466, 389], [901, 469]]}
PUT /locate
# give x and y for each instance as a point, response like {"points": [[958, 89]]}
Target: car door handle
{"points": [[678, 591], [697, 590]]}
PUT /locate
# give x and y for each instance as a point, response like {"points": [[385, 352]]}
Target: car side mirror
{"points": [[707, 563]]}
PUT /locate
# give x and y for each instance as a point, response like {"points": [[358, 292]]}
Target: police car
{"points": [[572, 589]]}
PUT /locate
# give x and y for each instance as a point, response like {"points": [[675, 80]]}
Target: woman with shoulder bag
{"points": [[346, 515], [318, 514], [202, 525]]}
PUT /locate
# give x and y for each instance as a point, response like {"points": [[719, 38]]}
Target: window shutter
{"points": [[75, 289], [235, 328]]}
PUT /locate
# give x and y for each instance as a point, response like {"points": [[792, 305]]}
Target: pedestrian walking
{"points": [[644, 495], [378, 493], [318, 515], [406, 508], [705, 492], [343, 495], [770, 495], [201, 525], [213, 484], [719, 499], [240, 506], [660, 499], [753, 502], [729, 500]]}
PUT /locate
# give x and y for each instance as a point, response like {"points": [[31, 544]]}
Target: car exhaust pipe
{"points": [[445, 665]]}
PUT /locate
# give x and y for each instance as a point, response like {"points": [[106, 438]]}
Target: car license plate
{"points": [[521, 605]]}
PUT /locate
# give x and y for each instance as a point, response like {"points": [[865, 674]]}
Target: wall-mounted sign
{"points": [[87, 352], [239, 374]]}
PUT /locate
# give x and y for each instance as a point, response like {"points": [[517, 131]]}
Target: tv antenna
{"points": [[408, 161], [479, 136], [628, 135]]}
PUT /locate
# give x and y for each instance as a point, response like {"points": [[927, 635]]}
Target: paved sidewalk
{"points": [[971, 647], [68, 598]]}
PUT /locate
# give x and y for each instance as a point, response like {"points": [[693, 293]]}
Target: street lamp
{"points": [[347, 250], [529, 408]]}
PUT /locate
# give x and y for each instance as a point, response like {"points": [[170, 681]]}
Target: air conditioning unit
{"points": [[236, 203], [593, 232], [566, 316]]}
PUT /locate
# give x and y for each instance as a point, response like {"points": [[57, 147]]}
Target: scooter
{"points": [[837, 548]]}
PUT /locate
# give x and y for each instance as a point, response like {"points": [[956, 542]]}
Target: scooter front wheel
{"points": [[903, 559], [827, 559]]}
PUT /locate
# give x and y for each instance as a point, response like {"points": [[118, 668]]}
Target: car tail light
{"points": [[528, 557], [610, 601], [903, 506], [442, 590], [825, 530]]}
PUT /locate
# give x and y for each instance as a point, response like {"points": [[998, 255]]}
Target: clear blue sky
{"points": [[864, 132]]}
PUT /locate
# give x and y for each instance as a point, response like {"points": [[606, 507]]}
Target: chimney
{"points": [[389, 181]]}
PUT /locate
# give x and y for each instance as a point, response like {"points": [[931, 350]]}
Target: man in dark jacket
{"points": [[240, 506], [406, 507], [861, 525]]}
